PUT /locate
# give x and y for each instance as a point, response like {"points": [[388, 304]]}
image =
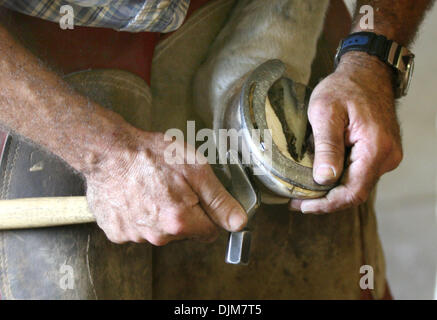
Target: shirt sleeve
{"points": [[121, 15]]}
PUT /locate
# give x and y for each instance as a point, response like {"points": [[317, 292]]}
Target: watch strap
{"points": [[388, 51], [373, 44]]}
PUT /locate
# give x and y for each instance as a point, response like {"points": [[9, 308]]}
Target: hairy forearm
{"points": [[37, 104], [397, 20]]}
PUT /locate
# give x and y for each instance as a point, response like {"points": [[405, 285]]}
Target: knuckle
{"points": [[394, 160], [398, 155], [176, 220], [191, 199], [386, 144], [321, 109], [326, 109], [157, 240], [114, 234], [177, 212], [118, 239], [358, 197], [327, 147], [176, 227], [389, 148], [178, 179], [137, 240]]}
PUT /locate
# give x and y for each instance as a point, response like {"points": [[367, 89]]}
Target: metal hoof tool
{"points": [[236, 180], [238, 250]]}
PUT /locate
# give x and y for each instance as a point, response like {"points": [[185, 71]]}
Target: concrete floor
{"points": [[406, 202]]}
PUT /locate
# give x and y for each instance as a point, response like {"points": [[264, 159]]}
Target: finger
{"points": [[328, 130], [112, 224], [179, 216], [192, 223], [221, 207], [360, 178], [294, 205], [203, 228]]}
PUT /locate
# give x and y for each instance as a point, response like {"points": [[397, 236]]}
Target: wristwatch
{"points": [[398, 57]]}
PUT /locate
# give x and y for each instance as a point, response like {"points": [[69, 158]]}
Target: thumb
{"points": [[328, 130], [220, 206]]}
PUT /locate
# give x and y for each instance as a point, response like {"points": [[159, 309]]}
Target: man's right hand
{"points": [[136, 196]]}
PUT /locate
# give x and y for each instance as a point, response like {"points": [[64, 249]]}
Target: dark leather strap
{"points": [[372, 43]]}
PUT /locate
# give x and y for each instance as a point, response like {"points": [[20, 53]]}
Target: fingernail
{"points": [[325, 173], [237, 221]]}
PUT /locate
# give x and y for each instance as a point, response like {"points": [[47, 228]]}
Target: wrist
{"points": [[368, 67], [107, 151]]}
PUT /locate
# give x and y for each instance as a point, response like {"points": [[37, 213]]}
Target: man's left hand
{"points": [[353, 109]]}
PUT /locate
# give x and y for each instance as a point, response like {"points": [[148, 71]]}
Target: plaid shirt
{"points": [[121, 15]]}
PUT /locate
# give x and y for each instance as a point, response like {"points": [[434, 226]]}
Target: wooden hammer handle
{"points": [[44, 212]]}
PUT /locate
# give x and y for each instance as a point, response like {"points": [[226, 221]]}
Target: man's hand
{"points": [[352, 108], [136, 196]]}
